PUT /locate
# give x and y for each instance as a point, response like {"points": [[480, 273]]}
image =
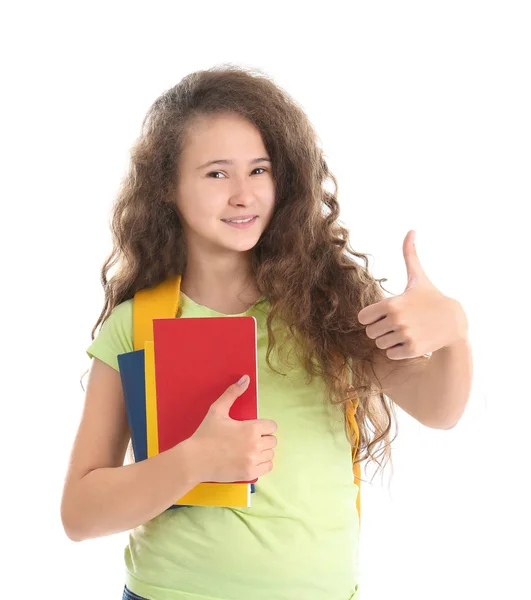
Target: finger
{"points": [[268, 441], [263, 468], [266, 426], [266, 455]]}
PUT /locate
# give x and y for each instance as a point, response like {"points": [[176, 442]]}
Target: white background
{"points": [[423, 110]]}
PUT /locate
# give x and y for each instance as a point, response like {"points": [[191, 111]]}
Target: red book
{"points": [[196, 360]]}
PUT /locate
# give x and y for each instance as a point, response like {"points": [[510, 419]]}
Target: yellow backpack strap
{"points": [[159, 302], [350, 412]]}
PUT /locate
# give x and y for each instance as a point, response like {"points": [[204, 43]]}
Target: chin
{"points": [[242, 245]]}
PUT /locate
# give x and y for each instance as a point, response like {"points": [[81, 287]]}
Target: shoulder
{"points": [[123, 311], [120, 321], [115, 335]]}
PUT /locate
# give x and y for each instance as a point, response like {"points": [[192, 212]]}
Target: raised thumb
{"points": [[224, 403]]}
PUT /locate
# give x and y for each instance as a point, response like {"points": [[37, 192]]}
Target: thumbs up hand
{"points": [[230, 450], [418, 321]]}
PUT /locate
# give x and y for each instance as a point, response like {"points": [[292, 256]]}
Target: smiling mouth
{"points": [[241, 220], [242, 223]]}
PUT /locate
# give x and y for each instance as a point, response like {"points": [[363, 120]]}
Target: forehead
{"points": [[228, 136]]}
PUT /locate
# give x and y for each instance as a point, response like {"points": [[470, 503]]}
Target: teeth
{"points": [[240, 220]]}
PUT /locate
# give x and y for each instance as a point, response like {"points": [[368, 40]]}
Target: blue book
{"points": [[134, 387]]}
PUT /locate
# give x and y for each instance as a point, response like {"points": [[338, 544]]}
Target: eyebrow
{"points": [[230, 162]]}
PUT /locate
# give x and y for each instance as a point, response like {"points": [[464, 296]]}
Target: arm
{"points": [[101, 496], [444, 386]]}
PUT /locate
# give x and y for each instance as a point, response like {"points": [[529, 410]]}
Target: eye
{"points": [[216, 172]]}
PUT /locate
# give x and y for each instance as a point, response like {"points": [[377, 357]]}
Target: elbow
{"points": [[72, 533], [452, 420], [70, 523], [443, 422], [448, 426], [72, 536]]}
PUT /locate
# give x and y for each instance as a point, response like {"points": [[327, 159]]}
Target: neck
{"points": [[224, 282]]}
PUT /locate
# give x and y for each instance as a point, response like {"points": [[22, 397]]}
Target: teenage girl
{"points": [[226, 188]]}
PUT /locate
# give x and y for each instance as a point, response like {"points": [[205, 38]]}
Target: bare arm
{"points": [[101, 496]]}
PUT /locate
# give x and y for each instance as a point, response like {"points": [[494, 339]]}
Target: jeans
{"points": [[128, 595]]}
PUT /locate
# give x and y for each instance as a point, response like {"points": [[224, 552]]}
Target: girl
{"points": [[226, 188]]}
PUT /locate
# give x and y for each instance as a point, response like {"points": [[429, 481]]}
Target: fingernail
{"points": [[243, 380]]}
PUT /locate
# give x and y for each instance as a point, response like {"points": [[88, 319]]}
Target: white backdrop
{"points": [[423, 112]]}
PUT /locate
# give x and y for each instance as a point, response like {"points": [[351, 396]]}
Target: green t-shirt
{"points": [[298, 540]]}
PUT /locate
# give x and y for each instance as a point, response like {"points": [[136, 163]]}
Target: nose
{"points": [[242, 193]]}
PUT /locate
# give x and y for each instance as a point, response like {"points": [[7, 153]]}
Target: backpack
{"points": [[162, 302]]}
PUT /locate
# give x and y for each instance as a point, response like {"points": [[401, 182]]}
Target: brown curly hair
{"points": [[303, 262]]}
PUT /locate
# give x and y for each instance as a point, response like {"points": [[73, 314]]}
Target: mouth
{"points": [[241, 222]]}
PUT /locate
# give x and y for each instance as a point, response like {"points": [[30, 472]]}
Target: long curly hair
{"points": [[303, 263]]}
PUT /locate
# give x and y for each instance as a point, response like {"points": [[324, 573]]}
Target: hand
{"points": [[229, 450], [419, 321]]}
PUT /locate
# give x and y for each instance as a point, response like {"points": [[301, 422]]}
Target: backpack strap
{"points": [[159, 302], [350, 413]]}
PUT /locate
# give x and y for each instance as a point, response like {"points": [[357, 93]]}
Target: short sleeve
{"points": [[115, 335]]}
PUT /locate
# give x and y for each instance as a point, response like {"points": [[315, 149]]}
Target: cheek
{"points": [[269, 207], [201, 218], [199, 210]]}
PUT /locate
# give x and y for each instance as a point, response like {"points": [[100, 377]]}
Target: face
{"points": [[239, 186]]}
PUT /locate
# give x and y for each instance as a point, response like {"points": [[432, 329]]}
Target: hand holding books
{"points": [[230, 450]]}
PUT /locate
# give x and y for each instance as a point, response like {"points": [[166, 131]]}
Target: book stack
{"points": [[170, 384]]}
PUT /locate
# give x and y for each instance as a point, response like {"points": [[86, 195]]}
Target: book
{"points": [[131, 365], [196, 360]]}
